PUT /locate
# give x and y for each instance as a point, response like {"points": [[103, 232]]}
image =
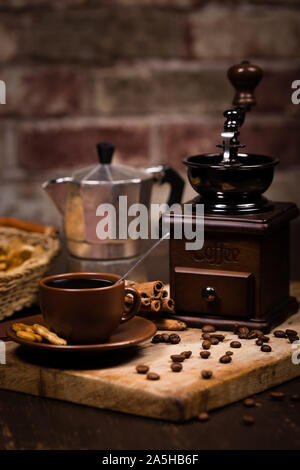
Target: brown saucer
{"points": [[126, 335]]}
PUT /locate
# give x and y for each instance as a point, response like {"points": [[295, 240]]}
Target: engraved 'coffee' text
{"points": [[217, 254]]}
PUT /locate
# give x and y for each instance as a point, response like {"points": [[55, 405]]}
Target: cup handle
{"points": [[135, 306]]}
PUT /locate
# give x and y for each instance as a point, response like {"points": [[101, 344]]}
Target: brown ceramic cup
{"points": [[88, 315]]}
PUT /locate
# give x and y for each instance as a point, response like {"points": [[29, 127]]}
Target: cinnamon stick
{"points": [[146, 301], [167, 305], [154, 307], [151, 289]]}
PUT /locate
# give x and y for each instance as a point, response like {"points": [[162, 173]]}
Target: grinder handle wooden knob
{"points": [[244, 77]]}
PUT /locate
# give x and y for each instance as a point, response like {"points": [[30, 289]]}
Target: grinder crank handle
{"points": [[244, 78]]}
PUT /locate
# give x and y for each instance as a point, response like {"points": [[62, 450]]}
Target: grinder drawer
{"points": [[214, 292]]}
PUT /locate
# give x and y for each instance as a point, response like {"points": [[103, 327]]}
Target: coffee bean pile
{"points": [[176, 365], [165, 338], [211, 338], [244, 333], [177, 359], [261, 339], [291, 335]]}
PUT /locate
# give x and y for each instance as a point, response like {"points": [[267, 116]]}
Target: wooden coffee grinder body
{"points": [[240, 275]]}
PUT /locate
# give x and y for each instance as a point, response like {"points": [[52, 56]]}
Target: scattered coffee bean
{"points": [[293, 338], [176, 367], [214, 341], [187, 354], [203, 416], [219, 337], [153, 376], [243, 330], [291, 332], [156, 339], [252, 335], [259, 342], [225, 359], [249, 402], [266, 348], [258, 332], [206, 374], [204, 354], [235, 344], [229, 353], [174, 338], [249, 420], [165, 338], [141, 369], [264, 339], [277, 396], [295, 397], [208, 329], [206, 336], [177, 357], [206, 344], [280, 334], [243, 335], [236, 328]]}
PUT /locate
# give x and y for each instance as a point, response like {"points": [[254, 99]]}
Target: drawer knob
{"points": [[208, 294]]}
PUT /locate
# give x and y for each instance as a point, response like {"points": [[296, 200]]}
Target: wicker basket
{"points": [[19, 286]]}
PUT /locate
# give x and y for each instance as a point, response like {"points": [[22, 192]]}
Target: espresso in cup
{"points": [[85, 308], [79, 283]]}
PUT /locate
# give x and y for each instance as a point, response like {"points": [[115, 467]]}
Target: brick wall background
{"points": [[149, 75]]}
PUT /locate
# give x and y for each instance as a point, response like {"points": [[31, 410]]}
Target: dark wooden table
{"points": [[37, 423], [28, 422]]}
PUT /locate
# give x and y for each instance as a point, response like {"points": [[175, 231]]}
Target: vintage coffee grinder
{"points": [[241, 275]]}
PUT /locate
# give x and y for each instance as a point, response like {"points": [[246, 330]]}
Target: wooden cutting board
{"points": [[111, 382]]}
